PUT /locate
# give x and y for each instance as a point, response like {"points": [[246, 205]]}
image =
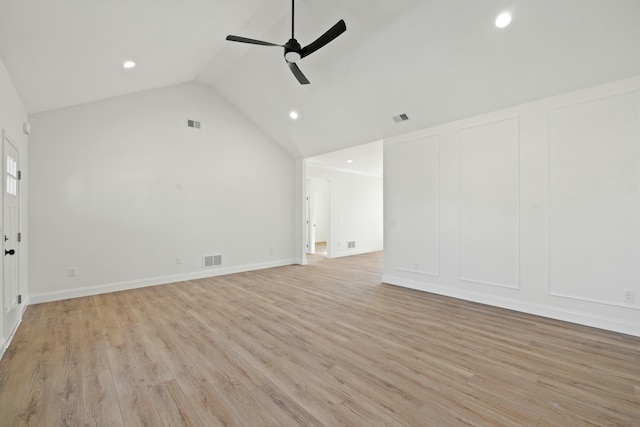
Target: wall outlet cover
{"points": [[629, 296]]}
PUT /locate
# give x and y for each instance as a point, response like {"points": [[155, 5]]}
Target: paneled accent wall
{"points": [[534, 208], [489, 203], [417, 202], [594, 215]]}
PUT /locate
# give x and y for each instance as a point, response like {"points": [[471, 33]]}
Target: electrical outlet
{"points": [[179, 260], [629, 296], [72, 271]]}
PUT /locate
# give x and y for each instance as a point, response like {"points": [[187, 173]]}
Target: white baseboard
{"points": [[354, 252], [3, 347], [581, 318], [154, 281], [5, 344]]}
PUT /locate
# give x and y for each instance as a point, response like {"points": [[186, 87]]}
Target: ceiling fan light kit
{"points": [[293, 51]]}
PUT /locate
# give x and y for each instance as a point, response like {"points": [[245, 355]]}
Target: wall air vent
{"points": [[209, 261], [351, 245], [193, 124], [400, 118]]}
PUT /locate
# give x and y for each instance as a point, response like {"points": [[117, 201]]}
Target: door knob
{"points": [[9, 252]]}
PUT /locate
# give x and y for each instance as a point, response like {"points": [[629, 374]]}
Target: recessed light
{"points": [[293, 115], [503, 20], [349, 161], [129, 64]]}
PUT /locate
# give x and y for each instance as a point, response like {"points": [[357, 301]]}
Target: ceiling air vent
{"points": [[193, 124], [400, 118]]}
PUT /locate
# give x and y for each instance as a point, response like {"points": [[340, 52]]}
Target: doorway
{"points": [[11, 297], [346, 188], [318, 216]]}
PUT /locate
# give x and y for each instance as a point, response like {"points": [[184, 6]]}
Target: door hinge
{"points": [[19, 299], [19, 175], [19, 237]]}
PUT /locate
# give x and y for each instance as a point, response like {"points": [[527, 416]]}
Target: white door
{"points": [[311, 227], [10, 230]]}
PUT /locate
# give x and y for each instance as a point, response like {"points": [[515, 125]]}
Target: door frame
{"points": [[310, 206], [310, 226], [10, 329]]}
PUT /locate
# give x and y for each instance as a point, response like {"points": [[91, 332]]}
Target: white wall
{"points": [[535, 208], [319, 192], [12, 117], [121, 188], [356, 208], [300, 213], [321, 213]]}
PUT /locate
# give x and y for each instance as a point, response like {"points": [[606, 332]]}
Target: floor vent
{"points": [[209, 261], [193, 124], [400, 118]]}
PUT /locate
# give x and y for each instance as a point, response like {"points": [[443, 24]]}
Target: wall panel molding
{"points": [[567, 243], [595, 300], [423, 221], [426, 273], [545, 310], [489, 203], [593, 198]]}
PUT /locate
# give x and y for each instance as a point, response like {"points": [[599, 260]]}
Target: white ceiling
{"points": [[436, 60], [363, 159]]}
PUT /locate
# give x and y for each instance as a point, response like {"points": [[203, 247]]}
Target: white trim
{"points": [[596, 300], [488, 283], [6, 137], [549, 110], [154, 281], [353, 252], [425, 139], [7, 342], [518, 119], [581, 318], [4, 347], [426, 273]]}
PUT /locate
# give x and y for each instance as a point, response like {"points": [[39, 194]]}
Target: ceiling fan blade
{"points": [[250, 41], [324, 39], [298, 73]]}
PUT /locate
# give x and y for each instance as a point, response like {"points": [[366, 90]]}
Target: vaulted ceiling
{"points": [[435, 60]]}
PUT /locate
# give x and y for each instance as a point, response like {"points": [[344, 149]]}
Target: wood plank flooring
{"points": [[321, 345]]}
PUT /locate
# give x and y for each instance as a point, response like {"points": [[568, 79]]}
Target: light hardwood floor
{"points": [[321, 345]]}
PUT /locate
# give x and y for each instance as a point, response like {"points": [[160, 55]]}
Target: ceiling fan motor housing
{"points": [[292, 50]]}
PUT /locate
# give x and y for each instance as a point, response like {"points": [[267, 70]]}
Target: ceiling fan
{"points": [[293, 52]]}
